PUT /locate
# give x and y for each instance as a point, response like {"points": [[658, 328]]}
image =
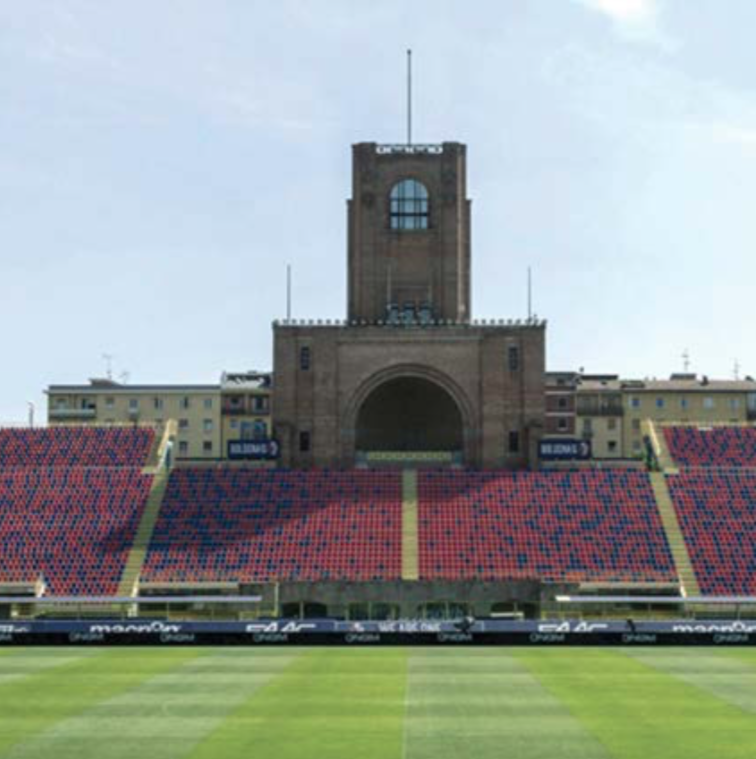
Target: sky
{"points": [[162, 162]]}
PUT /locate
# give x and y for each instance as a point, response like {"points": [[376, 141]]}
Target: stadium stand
{"points": [[75, 446], [717, 515], [71, 525], [70, 502], [712, 446], [587, 526], [261, 525]]}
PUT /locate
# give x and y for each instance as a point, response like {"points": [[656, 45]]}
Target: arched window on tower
{"points": [[409, 205]]}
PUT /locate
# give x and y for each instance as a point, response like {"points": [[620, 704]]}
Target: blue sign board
{"points": [[254, 449], [564, 449]]}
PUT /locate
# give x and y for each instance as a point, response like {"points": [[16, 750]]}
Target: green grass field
{"points": [[364, 703]]}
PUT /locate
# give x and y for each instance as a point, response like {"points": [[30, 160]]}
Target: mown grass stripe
{"points": [[638, 712], [483, 704], [165, 716], [19, 663], [727, 677], [36, 702], [329, 703]]}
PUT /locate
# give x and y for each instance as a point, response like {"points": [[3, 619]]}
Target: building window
{"points": [[183, 447], [109, 402], [185, 403], [612, 446], [208, 403], [207, 446], [684, 403], [635, 403], [409, 205], [304, 442], [734, 403], [562, 425], [260, 431], [611, 424], [636, 425], [636, 446], [513, 358], [260, 402], [514, 441], [183, 424], [305, 358], [587, 427], [660, 403], [562, 403], [234, 424], [207, 425], [133, 404], [157, 403]]}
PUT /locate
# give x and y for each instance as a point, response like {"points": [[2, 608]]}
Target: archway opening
{"points": [[409, 414]]}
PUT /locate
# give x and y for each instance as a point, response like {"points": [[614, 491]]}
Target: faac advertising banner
{"points": [[467, 631]]}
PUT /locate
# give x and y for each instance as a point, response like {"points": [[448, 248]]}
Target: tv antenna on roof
{"points": [[736, 370], [409, 97], [686, 360], [108, 365]]}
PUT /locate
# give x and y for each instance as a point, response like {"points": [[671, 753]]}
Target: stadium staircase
{"points": [[410, 551], [156, 466], [675, 538], [660, 447]]}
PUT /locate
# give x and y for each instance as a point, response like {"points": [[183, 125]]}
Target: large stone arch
{"points": [[406, 372]]}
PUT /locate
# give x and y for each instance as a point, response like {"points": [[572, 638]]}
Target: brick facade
{"points": [[494, 372]]}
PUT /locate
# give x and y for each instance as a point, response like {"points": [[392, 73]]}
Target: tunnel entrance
{"points": [[409, 414]]}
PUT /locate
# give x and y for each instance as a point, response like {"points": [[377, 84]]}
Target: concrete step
{"points": [[410, 548], [138, 552], [675, 538]]}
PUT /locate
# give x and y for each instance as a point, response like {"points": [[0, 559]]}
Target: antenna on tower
{"points": [[686, 360], [288, 292], [108, 357], [409, 97], [530, 293]]}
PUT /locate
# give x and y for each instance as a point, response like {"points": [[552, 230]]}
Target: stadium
{"points": [[410, 495], [408, 535]]}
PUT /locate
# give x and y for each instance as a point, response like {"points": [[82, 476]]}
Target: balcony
{"points": [[68, 414]]}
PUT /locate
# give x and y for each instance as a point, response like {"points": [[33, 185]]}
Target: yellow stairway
{"points": [[138, 552], [410, 565], [659, 444], [674, 535]]}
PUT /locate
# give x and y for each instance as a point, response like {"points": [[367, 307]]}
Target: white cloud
{"points": [[636, 20]]}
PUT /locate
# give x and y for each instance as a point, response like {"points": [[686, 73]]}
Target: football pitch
{"points": [[533, 703]]}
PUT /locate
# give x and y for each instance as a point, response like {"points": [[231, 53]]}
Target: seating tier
{"points": [[717, 515], [712, 446], [73, 526], [234, 525], [587, 526], [75, 446]]}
